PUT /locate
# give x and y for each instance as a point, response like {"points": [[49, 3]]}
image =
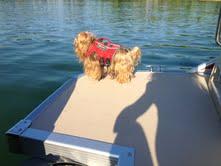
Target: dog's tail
{"points": [[136, 55]]}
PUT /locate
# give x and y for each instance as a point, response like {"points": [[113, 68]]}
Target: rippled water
{"points": [[36, 54]]}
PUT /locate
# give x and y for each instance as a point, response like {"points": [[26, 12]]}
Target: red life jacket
{"points": [[103, 48]]}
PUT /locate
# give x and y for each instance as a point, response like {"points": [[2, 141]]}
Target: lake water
{"points": [[36, 54]]}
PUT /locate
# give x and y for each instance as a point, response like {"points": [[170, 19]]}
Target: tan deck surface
{"points": [[168, 118]]}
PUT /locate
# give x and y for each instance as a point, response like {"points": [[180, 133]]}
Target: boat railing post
{"points": [[218, 29]]}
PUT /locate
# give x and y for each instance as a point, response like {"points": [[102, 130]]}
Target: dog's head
{"points": [[81, 44]]}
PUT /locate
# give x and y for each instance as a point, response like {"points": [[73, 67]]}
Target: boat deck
{"points": [[168, 118]]}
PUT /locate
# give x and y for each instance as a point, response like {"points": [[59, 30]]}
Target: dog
{"points": [[101, 57]]}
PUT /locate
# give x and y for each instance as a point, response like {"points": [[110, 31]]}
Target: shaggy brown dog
{"points": [[100, 57]]}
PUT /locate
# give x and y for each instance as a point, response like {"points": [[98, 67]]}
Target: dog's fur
{"points": [[122, 65]]}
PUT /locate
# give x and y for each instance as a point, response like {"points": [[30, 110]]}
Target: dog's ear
{"points": [[136, 54]]}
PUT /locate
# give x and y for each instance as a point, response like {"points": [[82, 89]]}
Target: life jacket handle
{"points": [[107, 42]]}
